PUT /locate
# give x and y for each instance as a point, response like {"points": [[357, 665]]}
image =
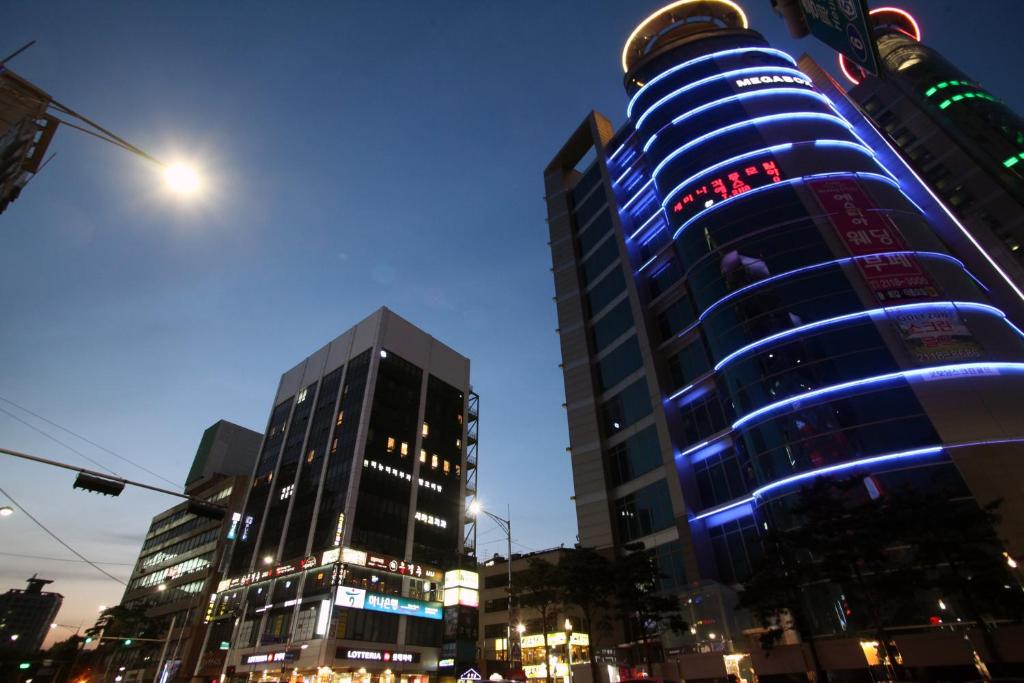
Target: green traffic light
{"points": [[88, 640], [24, 665], [127, 642]]}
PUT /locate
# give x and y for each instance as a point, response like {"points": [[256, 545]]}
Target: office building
{"points": [[176, 572], [25, 618], [356, 510], [960, 138], [753, 289]]}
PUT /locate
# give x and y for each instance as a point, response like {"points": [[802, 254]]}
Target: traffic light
{"points": [[88, 639], [25, 665], [103, 485], [208, 510], [127, 642]]}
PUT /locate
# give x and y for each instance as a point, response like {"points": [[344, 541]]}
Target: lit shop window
{"points": [[391, 444], [433, 461], [287, 491], [405, 449], [426, 429]]}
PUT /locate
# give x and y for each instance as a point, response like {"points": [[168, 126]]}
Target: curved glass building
{"points": [[753, 292]]}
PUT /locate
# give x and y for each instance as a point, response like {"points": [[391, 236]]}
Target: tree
{"points": [[586, 583], [539, 587], [643, 610]]}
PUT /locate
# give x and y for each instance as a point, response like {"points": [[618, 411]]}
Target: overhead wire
{"points": [[62, 559], [88, 441], [55, 439], [61, 541]]}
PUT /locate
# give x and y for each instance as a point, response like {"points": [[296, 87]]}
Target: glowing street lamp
{"points": [[6, 511]]}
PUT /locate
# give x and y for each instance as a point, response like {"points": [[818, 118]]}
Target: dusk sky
{"points": [[355, 155]]}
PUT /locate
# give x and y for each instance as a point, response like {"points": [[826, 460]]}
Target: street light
{"points": [[6, 511], [568, 645], [505, 525]]}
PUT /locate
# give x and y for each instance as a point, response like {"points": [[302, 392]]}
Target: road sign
{"points": [[844, 26]]}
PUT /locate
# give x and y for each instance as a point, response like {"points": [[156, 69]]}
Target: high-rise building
{"points": [[176, 571], [960, 138], [753, 290], [26, 130], [356, 509], [25, 618]]}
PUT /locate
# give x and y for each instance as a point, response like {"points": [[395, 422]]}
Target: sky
{"points": [[354, 155]]}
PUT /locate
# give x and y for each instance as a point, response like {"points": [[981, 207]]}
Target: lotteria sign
{"points": [[387, 656], [357, 598]]}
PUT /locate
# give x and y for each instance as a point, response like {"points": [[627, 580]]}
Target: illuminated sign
{"points": [[557, 638], [246, 527], [379, 655], [397, 566], [209, 608], [324, 617], [353, 556], [357, 598], [340, 531], [461, 578], [764, 80], [236, 517], [467, 597], [470, 675], [269, 657], [330, 556], [445, 663], [730, 182]]}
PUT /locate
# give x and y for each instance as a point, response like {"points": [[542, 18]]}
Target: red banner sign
{"points": [[872, 237]]}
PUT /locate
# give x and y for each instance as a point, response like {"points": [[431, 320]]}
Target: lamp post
{"points": [[568, 645], [505, 525]]}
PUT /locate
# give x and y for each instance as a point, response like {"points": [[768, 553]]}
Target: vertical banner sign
{"points": [[937, 336], [844, 26], [868, 234]]}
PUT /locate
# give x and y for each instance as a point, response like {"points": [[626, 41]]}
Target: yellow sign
{"points": [[557, 638], [461, 578]]}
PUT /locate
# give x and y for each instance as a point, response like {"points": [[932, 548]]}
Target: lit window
{"points": [[383, 353], [287, 491], [458, 471], [302, 396], [391, 444], [433, 461], [423, 455], [341, 417], [334, 445], [447, 467], [405, 449], [458, 443], [426, 429], [310, 455]]}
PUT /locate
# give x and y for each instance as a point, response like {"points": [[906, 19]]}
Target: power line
{"points": [[88, 441], [53, 438], [61, 541], [63, 559]]}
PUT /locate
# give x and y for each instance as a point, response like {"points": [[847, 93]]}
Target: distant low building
{"points": [[25, 618]]}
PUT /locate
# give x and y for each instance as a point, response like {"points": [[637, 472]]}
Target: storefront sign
{"points": [[357, 598], [445, 663], [890, 272], [330, 556], [397, 566], [461, 578], [270, 657], [556, 638], [470, 675], [236, 518], [466, 597], [379, 655]]}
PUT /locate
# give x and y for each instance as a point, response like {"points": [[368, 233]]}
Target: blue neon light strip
{"points": [[742, 96], [964, 370], [788, 116], [720, 77], [713, 55], [783, 183], [872, 313], [723, 508], [647, 222], [638, 193], [771, 150], [817, 266]]}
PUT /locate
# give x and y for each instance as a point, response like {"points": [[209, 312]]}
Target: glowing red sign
{"points": [[729, 183]]}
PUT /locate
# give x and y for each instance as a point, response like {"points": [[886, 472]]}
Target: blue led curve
{"points": [[714, 55], [738, 98], [787, 116], [954, 370], [783, 183], [720, 77], [874, 312]]}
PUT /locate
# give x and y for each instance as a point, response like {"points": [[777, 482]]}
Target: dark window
{"points": [[589, 208], [664, 277], [612, 325], [496, 631], [644, 512], [688, 364], [586, 183], [620, 363], [595, 232], [703, 417], [627, 406], [668, 558], [736, 547], [426, 632], [600, 259], [637, 455], [676, 318], [375, 627], [606, 289]]}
